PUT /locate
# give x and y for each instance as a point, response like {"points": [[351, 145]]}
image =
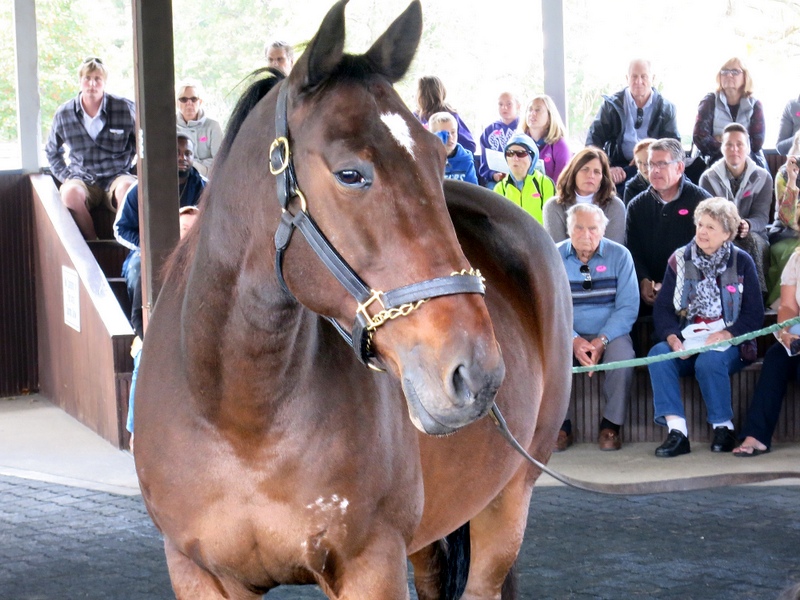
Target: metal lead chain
{"points": [[393, 313]]}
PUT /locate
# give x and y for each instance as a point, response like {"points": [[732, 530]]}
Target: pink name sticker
{"points": [[547, 159], [683, 212], [204, 139], [797, 114], [600, 268], [731, 289], [747, 193]]}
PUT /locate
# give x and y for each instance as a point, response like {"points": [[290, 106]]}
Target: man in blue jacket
{"points": [[126, 226], [629, 116], [460, 163]]}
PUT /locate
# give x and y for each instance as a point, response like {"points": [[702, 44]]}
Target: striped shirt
{"points": [[605, 297], [95, 161]]}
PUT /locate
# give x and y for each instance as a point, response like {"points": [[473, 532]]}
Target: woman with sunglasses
{"points": [[732, 102], [205, 133], [586, 180], [710, 294], [524, 185]]}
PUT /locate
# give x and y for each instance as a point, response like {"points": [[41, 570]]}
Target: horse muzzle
{"points": [[440, 405]]}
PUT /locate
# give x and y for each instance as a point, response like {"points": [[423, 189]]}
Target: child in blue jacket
{"points": [[460, 162]]}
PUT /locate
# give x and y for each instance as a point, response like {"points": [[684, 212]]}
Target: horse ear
{"points": [[393, 52], [324, 51]]}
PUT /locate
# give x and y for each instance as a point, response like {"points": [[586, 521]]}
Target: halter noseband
{"points": [[394, 303]]}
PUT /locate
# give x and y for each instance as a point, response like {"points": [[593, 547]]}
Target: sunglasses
{"points": [[517, 153], [639, 118], [192, 99], [89, 59], [731, 72], [587, 277]]}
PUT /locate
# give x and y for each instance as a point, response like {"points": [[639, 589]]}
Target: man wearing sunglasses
{"points": [[605, 303], [98, 128], [634, 113]]}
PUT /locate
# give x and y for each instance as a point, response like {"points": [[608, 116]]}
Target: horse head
{"points": [[361, 178]]}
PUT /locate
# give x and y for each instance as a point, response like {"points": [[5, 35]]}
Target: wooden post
{"points": [[156, 140]]}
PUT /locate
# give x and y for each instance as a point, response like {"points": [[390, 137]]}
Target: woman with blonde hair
{"points": [[732, 102], [587, 178], [544, 125]]}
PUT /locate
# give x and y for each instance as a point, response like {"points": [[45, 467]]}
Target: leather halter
{"points": [[394, 303]]}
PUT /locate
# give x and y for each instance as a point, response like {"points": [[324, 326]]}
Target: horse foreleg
{"points": [[379, 571], [496, 536], [191, 582]]}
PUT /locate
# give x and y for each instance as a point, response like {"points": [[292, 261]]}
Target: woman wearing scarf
{"points": [[710, 294]]}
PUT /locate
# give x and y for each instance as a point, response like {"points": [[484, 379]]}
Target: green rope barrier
{"points": [[681, 353]]}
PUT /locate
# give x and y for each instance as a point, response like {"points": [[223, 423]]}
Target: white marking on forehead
{"points": [[399, 129]]}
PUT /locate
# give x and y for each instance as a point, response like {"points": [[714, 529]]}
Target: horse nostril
{"points": [[462, 389]]}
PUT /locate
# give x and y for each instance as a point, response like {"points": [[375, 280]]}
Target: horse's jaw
{"points": [[441, 408]]}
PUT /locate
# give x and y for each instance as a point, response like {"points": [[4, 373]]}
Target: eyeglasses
{"points": [[639, 118], [517, 153], [89, 59], [184, 99], [660, 165], [731, 72], [587, 277]]}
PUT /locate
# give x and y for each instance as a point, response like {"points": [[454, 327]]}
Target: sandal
{"points": [[749, 451]]}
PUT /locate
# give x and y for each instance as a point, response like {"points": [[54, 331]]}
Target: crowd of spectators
{"points": [[705, 248], [640, 235]]}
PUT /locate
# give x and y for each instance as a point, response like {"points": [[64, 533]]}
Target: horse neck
{"points": [[237, 321]]}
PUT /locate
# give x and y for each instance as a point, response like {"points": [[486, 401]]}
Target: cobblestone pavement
{"points": [[60, 542]]}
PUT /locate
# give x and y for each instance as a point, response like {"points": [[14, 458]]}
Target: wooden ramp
{"points": [[84, 337]]}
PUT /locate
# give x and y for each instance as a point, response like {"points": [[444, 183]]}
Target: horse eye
{"points": [[351, 178]]}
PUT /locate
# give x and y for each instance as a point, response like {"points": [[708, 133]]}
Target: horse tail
{"points": [[454, 556], [509, 589]]}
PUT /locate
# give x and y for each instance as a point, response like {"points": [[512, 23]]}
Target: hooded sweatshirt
{"points": [[535, 189]]}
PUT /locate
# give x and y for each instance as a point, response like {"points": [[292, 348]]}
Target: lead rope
{"points": [[646, 487]]}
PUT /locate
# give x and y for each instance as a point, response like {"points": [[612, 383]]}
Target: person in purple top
{"points": [[543, 123], [431, 99], [496, 135]]}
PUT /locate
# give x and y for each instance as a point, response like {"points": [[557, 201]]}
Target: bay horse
{"points": [[266, 450]]}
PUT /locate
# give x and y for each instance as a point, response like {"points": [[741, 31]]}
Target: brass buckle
{"points": [[362, 308], [280, 141]]}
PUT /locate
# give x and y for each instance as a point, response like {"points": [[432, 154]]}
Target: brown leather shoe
{"points": [[563, 441], [609, 440]]}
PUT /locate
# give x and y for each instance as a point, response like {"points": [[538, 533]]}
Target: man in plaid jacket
{"points": [[99, 130]]}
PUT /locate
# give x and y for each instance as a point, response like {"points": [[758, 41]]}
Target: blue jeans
{"points": [[712, 370], [765, 408], [129, 423], [132, 271]]}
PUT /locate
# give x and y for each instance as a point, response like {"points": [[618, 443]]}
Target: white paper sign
{"points": [[496, 161], [72, 298], [695, 335]]}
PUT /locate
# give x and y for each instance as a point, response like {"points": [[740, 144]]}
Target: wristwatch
{"points": [[604, 339]]}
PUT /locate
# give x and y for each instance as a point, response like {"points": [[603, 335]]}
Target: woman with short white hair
{"points": [[710, 294]]}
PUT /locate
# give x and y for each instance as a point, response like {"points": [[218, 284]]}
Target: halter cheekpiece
{"points": [[393, 304]]}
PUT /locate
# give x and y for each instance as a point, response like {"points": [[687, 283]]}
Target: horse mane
{"points": [[351, 67], [266, 78]]}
